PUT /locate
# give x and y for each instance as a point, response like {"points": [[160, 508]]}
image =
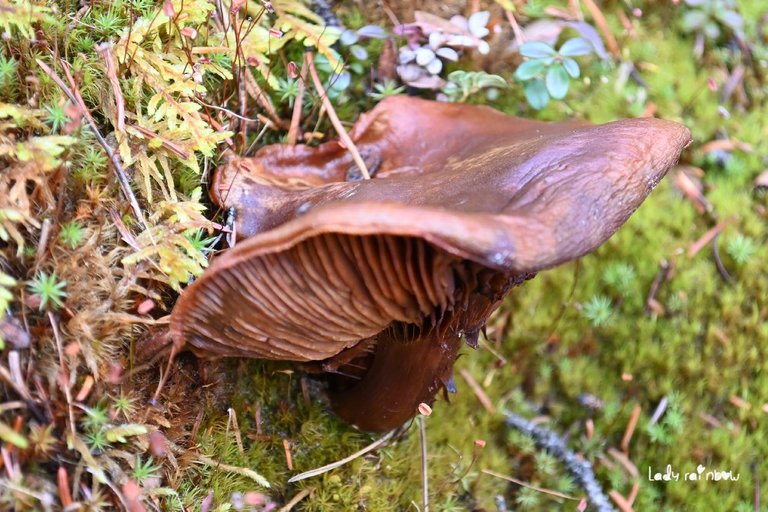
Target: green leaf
{"points": [[694, 20], [571, 67], [712, 30], [576, 47], [536, 94], [119, 433], [537, 50], [10, 436], [529, 69], [731, 19], [557, 82]]}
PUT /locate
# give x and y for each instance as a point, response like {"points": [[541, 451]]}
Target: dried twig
{"points": [[105, 51], [63, 370], [293, 131], [247, 472], [343, 135], [577, 467], [529, 486], [650, 301], [602, 26], [296, 499], [707, 237], [328, 467], [74, 96], [236, 429], [719, 263], [631, 425], [472, 383], [424, 473]]}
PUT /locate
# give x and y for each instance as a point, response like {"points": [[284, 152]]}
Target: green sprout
{"points": [[741, 248], [107, 23], [8, 76], [620, 277], [125, 405], [49, 289], [288, 90], [56, 117], [92, 165], [598, 310], [547, 72], [709, 17], [97, 440], [462, 84], [72, 234], [144, 470], [95, 417], [385, 90], [200, 242]]}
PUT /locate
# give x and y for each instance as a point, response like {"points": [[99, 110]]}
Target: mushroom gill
{"points": [[379, 280]]}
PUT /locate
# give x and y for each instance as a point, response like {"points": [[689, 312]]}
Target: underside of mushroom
{"points": [[377, 282]]}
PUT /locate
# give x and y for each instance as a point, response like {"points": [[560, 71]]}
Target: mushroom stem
{"points": [[402, 375], [343, 135]]}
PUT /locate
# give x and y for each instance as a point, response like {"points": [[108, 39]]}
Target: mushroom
{"points": [[379, 280]]}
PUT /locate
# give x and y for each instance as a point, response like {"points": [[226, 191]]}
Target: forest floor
{"points": [[648, 357]]}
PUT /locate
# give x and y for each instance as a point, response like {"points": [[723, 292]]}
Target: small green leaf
{"points": [[694, 20], [557, 82], [529, 69], [119, 433], [571, 67], [536, 94], [712, 30], [537, 50], [10, 436], [731, 19], [576, 47]]}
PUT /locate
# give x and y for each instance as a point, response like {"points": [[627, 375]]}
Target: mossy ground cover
{"points": [[644, 331]]}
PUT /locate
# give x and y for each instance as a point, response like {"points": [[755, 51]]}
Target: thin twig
{"points": [[296, 499], [484, 400], [247, 472], [328, 467], [529, 486], [578, 468], [113, 156], [293, 130], [719, 263], [630, 430], [63, 370], [343, 135], [603, 27], [105, 50], [424, 473], [236, 428]]}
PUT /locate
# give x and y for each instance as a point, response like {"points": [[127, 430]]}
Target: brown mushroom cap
{"points": [[466, 203]]}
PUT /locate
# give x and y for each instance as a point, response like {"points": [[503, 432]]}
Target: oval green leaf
{"points": [[537, 50], [557, 82], [576, 47], [536, 94], [529, 69]]}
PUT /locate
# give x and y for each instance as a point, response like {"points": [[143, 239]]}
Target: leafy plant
{"points": [[709, 17], [6, 296], [56, 117], [143, 471], [547, 72], [72, 234], [462, 84], [49, 289], [741, 248], [385, 90], [598, 310]]}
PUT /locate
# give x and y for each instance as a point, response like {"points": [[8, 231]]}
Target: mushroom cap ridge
{"points": [[520, 197]]}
